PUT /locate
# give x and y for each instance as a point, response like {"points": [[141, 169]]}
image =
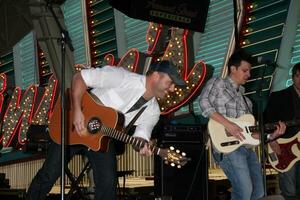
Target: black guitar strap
{"points": [[128, 127], [120, 146], [248, 108]]}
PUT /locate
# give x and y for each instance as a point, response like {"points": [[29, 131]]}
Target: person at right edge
{"points": [[222, 98], [285, 105]]}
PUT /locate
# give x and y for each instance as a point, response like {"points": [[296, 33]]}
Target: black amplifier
{"points": [[174, 183], [182, 134]]}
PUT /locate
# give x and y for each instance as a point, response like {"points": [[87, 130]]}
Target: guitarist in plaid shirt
{"points": [[222, 98]]}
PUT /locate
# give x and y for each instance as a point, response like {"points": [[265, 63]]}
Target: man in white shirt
{"points": [[124, 91]]}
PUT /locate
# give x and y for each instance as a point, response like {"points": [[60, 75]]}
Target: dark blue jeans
{"points": [[289, 182], [103, 165]]}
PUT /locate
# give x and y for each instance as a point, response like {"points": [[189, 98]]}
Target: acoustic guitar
{"points": [[103, 123]]}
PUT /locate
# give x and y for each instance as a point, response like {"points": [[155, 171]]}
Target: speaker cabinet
{"points": [[37, 139], [189, 182], [12, 194]]}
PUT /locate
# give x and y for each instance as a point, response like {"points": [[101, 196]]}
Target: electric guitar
{"points": [[224, 142], [290, 153], [103, 123]]}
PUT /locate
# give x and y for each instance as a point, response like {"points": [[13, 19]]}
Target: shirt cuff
{"points": [[208, 112], [142, 133]]}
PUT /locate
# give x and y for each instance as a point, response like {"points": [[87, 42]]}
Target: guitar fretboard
{"points": [[118, 135], [272, 126]]}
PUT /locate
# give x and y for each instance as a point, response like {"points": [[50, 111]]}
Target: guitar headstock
{"points": [[173, 157]]}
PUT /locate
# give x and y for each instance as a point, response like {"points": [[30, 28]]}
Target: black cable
{"points": [[261, 128], [204, 149]]}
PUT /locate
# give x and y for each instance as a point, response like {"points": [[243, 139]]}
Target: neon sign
{"points": [[24, 110]]}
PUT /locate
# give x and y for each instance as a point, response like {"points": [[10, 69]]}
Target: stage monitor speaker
{"points": [[191, 181], [37, 138], [188, 14]]}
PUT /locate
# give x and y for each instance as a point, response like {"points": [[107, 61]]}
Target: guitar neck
{"points": [[118, 135], [272, 126]]}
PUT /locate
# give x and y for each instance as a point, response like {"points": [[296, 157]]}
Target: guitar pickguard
{"points": [[286, 156]]}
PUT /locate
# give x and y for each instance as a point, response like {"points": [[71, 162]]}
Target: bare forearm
{"points": [[78, 89], [231, 127], [220, 118]]}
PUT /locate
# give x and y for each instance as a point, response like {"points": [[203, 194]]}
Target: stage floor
{"points": [[143, 187], [135, 182]]}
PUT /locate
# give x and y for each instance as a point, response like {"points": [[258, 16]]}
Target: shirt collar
{"points": [[153, 99], [231, 84]]}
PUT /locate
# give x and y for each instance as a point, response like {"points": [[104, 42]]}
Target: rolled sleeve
{"points": [[208, 112], [105, 77], [207, 97], [144, 131]]}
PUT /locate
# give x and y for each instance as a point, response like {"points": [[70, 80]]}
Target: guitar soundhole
{"points": [[94, 125]]}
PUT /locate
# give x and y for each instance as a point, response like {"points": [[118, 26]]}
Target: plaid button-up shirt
{"points": [[225, 97]]}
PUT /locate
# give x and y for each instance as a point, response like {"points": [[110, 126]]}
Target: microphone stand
{"points": [[65, 39], [261, 129]]}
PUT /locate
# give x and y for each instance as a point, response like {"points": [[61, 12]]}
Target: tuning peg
{"points": [[183, 154], [172, 164], [172, 148], [166, 162], [179, 166], [177, 151]]}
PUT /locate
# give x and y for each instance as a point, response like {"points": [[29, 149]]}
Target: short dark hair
{"points": [[238, 56], [295, 69]]}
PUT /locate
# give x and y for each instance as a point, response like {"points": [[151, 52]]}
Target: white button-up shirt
{"points": [[120, 89]]}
